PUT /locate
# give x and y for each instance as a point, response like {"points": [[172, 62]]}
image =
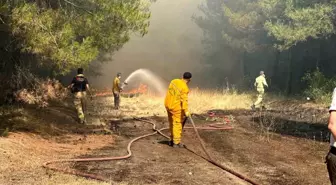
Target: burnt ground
{"points": [[153, 162], [283, 145]]}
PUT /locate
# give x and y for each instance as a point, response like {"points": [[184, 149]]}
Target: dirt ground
{"points": [[284, 145]]}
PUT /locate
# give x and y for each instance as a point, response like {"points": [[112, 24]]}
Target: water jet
{"points": [[144, 78]]}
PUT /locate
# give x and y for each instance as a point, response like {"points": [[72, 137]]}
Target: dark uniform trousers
{"points": [[116, 96], [331, 165]]}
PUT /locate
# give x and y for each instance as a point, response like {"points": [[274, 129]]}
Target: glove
{"points": [[187, 114]]}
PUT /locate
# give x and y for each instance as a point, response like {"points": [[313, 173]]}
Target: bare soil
{"points": [[285, 144]]}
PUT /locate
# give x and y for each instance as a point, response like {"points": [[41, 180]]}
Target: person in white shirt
{"points": [[331, 156]]}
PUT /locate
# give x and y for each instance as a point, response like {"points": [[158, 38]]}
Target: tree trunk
{"points": [[317, 48], [275, 69], [242, 68], [290, 72]]}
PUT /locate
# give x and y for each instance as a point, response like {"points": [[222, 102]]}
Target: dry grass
{"points": [[200, 101], [42, 92]]}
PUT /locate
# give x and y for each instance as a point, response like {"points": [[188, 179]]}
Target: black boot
{"points": [[180, 145]]}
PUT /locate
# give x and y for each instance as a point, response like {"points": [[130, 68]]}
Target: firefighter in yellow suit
{"points": [[260, 83], [176, 104], [116, 90]]}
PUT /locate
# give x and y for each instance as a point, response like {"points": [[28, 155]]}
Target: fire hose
{"points": [[156, 131]]}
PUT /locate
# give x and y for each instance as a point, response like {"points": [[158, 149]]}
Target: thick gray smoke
{"points": [[172, 46]]}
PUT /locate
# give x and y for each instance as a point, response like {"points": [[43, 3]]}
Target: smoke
{"points": [[172, 46]]}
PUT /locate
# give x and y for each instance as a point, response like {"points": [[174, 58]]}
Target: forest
{"points": [[49, 39], [52, 134], [291, 40]]}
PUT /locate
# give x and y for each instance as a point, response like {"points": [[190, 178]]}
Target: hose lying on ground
{"points": [[97, 177], [216, 163]]}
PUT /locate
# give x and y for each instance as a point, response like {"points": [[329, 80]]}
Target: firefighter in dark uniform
{"points": [[79, 86]]}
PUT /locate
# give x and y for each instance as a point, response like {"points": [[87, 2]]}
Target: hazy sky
{"points": [[172, 46]]}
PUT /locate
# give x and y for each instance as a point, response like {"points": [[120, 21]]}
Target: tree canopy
{"points": [[247, 36], [66, 34]]}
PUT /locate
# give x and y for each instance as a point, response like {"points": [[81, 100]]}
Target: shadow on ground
{"points": [[57, 119], [304, 125], [300, 129]]}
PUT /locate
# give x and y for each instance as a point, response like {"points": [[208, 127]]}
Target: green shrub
{"points": [[319, 87]]}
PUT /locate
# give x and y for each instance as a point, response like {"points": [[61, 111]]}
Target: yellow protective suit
{"points": [[116, 85], [176, 103], [116, 92], [260, 83]]}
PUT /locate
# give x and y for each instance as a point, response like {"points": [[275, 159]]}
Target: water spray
{"points": [[147, 76]]}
